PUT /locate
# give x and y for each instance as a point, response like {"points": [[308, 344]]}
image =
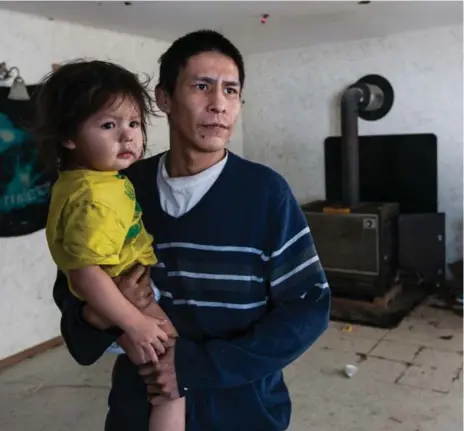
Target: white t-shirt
{"points": [[180, 195]]}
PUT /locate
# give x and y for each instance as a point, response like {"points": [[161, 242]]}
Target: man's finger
{"points": [[160, 367], [144, 279], [148, 300], [150, 379], [157, 400], [165, 390], [170, 343], [153, 389], [147, 369], [137, 273]]}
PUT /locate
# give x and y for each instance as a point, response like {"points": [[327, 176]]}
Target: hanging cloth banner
{"points": [[24, 182]]}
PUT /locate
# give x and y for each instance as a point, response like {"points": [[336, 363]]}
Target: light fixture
{"points": [[18, 90]]}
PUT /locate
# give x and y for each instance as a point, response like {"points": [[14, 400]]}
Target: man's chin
{"points": [[211, 145]]}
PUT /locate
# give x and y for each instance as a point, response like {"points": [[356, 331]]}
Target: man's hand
{"points": [[136, 286], [161, 379]]}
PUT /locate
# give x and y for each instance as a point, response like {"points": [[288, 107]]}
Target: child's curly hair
{"points": [[66, 98]]}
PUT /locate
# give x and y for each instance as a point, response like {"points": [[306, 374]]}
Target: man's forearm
{"points": [[94, 319], [85, 343], [272, 344]]}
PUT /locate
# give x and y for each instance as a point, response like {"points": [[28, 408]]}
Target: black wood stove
{"points": [[357, 241]]}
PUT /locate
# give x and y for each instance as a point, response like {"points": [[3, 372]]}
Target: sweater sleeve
{"points": [[85, 343], [299, 298]]}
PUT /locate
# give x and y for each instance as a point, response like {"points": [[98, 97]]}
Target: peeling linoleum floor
{"points": [[408, 379]]}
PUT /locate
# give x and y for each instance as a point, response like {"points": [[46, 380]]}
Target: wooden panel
{"points": [[30, 353]]}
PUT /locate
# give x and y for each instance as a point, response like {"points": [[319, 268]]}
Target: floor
{"points": [[408, 379]]}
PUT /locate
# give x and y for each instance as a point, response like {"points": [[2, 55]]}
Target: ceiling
{"points": [[291, 24]]}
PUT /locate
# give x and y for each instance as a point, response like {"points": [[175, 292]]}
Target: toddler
{"points": [[91, 124]]}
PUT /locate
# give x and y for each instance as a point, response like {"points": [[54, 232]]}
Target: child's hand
{"points": [[148, 338]]}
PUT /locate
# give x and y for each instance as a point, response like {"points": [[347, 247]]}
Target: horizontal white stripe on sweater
{"points": [[205, 276], [234, 248], [214, 304]]}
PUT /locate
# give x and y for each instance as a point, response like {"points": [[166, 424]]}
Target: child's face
{"points": [[111, 139]]}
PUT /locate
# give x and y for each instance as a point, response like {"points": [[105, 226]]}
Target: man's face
{"points": [[206, 102]]}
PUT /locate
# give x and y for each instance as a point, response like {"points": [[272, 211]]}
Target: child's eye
{"points": [[108, 125], [135, 124]]}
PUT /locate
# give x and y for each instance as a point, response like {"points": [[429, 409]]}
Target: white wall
{"points": [[28, 315], [292, 105]]}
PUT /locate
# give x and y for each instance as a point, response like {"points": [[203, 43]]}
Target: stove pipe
{"points": [[350, 145], [356, 98]]}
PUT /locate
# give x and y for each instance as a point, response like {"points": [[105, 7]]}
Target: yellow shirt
{"points": [[94, 219]]}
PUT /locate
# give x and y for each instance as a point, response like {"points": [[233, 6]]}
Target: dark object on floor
{"points": [[384, 312], [449, 296]]}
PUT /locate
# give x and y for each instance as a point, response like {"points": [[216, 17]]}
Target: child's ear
{"points": [[70, 145]]}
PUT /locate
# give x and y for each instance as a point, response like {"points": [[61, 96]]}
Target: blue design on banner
{"points": [[24, 182]]}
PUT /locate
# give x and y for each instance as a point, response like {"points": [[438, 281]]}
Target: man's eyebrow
{"points": [[209, 80]]}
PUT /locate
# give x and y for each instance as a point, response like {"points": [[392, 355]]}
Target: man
{"points": [[240, 278]]}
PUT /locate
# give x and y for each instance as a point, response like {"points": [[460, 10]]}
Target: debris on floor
{"points": [[350, 370], [347, 328]]}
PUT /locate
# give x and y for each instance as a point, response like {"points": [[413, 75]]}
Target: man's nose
{"points": [[218, 101]]}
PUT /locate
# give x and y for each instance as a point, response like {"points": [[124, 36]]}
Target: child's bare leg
{"points": [[169, 416]]}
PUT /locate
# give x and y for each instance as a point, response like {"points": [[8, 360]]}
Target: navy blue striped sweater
{"points": [[242, 283]]}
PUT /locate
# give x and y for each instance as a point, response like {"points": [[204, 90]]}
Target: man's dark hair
{"points": [[77, 90], [178, 54]]}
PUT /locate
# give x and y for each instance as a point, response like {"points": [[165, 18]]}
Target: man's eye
{"points": [[108, 125], [231, 90], [201, 87]]}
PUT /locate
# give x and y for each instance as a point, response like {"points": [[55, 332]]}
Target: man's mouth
{"points": [[215, 126]]}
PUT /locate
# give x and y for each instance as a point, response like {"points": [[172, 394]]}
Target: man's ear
{"points": [[69, 144], [163, 100]]}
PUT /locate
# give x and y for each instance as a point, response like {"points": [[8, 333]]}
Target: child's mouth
{"points": [[126, 155]]}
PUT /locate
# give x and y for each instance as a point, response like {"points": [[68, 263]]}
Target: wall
{"points": [[26, 270], [292, 105]]}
